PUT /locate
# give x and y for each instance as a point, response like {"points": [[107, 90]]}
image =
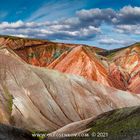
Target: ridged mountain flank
{"points": [[41, 99], [117, 68], [67, 88], [125, 66]]}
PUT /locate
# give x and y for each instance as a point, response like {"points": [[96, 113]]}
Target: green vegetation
{"points": [[69, 49], [10, 103], [9, 98], [56, 55], [121, 122], [114, 125], [111, 55], [32, 55]]}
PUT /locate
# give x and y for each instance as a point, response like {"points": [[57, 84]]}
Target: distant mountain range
{"points": [[56, 87]]}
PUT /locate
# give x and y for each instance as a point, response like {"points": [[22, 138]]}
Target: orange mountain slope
{"points": [[82, 61]]}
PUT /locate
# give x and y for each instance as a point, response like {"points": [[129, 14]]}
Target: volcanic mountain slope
{"points": [[112, 125], [35, 52], [40, 99], [82, 61], [125, 66], [75, 59], [38, 52], [117, 68]]}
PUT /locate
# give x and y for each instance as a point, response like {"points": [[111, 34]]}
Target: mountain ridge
{"points": [[107, 70]]}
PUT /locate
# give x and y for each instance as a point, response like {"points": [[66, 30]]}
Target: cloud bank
{"points": [[86, 25]]}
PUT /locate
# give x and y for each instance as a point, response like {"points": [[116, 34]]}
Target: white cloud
{"points": [[17, 24], [86, 25], [20, 35], [129, 10], [129, 29], [48, 30], [110, 41]]}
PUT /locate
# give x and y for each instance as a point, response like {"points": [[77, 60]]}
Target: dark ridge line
{"points": [[35, 45]]}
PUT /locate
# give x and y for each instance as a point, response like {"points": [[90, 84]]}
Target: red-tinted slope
{"points": [[125, 66], [77, 62], [35, 52], [81, 61], [38, 52], [116, 72], [122, 73]]}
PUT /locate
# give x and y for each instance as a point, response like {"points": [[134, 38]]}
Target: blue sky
{"points": [[104, 23]]}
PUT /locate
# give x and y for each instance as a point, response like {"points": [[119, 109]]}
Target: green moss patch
{"points": [[121, 122], [8, 97]]}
